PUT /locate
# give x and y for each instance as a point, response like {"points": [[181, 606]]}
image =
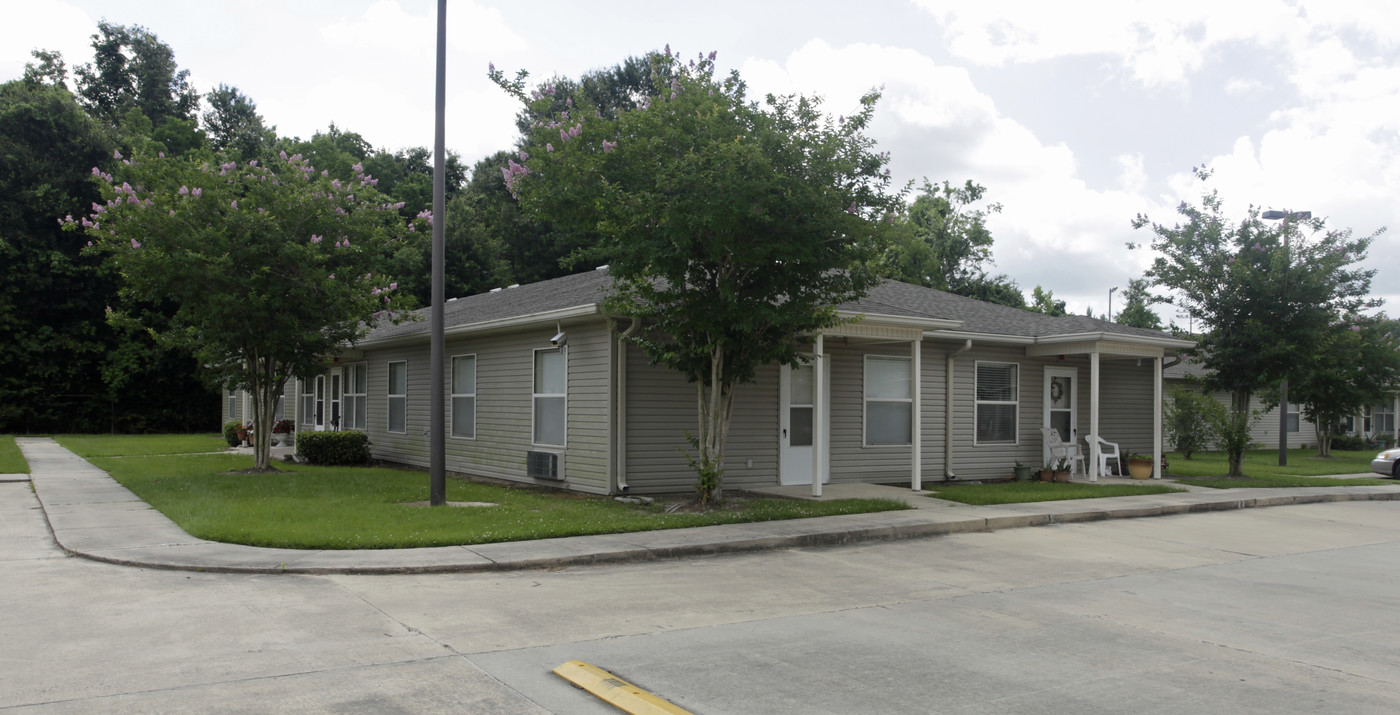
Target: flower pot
{"points": [[286, 439], [1023, 474], [1062, 477], [1140, 468], [1047, 475]]}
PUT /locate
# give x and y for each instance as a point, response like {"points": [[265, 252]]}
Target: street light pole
{"points": [[1283, 384], [1109, 318]]}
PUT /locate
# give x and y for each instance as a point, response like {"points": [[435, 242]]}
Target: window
{"points": [[551, 377], [464, 396], [398, 397], [889, 400], [1292, 417], [1383, 419], [356, 377], [280, 412], [232, 404], [998, 388], [308, 403]]}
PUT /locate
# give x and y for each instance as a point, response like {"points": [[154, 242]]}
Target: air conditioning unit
{"points": [[544, 465]]}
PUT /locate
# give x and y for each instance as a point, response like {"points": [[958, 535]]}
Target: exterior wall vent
{"points": [[544, 465]]}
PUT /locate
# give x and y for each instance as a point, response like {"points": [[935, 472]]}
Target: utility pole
{"points": [[1283, 384]]}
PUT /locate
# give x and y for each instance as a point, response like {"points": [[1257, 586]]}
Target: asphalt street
{"points": [[1279, 610]]}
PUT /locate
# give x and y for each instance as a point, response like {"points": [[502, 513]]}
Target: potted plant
{"points": [[1047, 473], [1140, 466], [284, 430], [1062, 471], [242, 431], [1022, 471]]}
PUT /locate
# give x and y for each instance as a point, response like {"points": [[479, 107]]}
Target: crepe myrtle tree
{"points": [[731, 227], [269, 269], [1265, 295]]}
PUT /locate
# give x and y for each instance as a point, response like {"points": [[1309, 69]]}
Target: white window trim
{"points": [[866, 400], [976, 403], [345, 394], [390, 396], [453, 395], [1296, 417], [306, 402], [534, 361]]}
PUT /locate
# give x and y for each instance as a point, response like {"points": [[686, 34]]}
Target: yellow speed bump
{"points": [[615, 691]]}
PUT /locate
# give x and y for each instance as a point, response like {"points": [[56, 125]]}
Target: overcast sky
{"points": [[1075, 116]]}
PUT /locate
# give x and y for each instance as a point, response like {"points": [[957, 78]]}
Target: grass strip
{"points": [[128, 445], [1022, 492], [305, 507], [1274, 481], [1264, 463], [11, 460]]}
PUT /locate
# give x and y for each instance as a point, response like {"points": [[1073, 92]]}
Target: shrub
{"points": [[231, 433], [1348, 441], [1191, 419], [334, 448]]}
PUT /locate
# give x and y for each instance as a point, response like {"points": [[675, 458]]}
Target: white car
{"points": [[1387, 463]]}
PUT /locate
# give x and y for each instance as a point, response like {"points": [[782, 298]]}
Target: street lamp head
{"points": [[1290, 215], [1273, 215]]}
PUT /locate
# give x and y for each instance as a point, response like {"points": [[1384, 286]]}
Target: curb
{"points": [[632, 553]]}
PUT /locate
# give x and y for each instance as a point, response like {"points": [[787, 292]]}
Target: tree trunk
{"points": [[715, 403]]}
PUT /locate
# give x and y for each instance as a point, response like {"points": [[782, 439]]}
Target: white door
{"points": [[797, 425], [1061, 411]]}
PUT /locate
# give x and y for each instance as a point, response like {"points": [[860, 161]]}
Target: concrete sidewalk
{"points": [[94, 517]]}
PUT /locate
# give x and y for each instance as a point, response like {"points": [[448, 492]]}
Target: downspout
{"points": [[948, 412], [621, 443]]}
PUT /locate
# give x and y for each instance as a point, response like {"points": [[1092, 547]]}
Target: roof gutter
{"points": [[621, 420], [577, 311]]}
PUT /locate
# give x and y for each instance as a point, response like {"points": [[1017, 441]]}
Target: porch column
{"points": [[1157, 417], [818, 417], [1093, 465], [916, 481], [1395, 421]]}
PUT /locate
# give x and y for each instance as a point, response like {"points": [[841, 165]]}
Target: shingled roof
{"points": [[582, 292]]}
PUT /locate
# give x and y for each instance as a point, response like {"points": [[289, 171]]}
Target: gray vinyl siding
{"points": [[504, 405], [851, 459], [1265, 430], [1125, 406], [661, 410]]}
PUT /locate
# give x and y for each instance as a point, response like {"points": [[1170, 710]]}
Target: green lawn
{"points": [[11, 461], [1264, 463], [127, 445], [1266, 481], [364, 507], [1021, 492]]}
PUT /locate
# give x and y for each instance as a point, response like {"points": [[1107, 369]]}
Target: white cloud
{"points": [[44, 25]]}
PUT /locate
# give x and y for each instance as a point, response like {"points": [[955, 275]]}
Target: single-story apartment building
{"points": [[1375, 422], [542, 387]]}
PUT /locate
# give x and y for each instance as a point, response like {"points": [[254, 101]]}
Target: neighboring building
{"points": [[1375, 422], [926, 385]]}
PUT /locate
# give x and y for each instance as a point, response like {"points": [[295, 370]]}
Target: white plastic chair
{"points": [[1062, 450], [1107, 450]]}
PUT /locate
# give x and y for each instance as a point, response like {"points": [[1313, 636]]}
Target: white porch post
{"points": [[1093, 465], [1395, 421], [916, 481], [1157, 418], [819, 417]]}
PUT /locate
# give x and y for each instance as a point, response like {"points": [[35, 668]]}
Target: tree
{"points": [[732, 228], [942, 243], [50, 70], [271, 270], [1043, 301], [133, 69], [1262, 302], [1137, 312], [1356, 362], [232, 122]]}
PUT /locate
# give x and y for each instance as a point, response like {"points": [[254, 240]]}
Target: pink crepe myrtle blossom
{"points": [[184, 190], [233, 204], [549, 147], [116, 154], [195, 191], [160, 154], [135, 243], [393, 286], [315, 238], [332, 276]]}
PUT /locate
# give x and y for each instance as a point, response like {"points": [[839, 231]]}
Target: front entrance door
{"points": [[1061, 402], [797, 424], [335, 400]]}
